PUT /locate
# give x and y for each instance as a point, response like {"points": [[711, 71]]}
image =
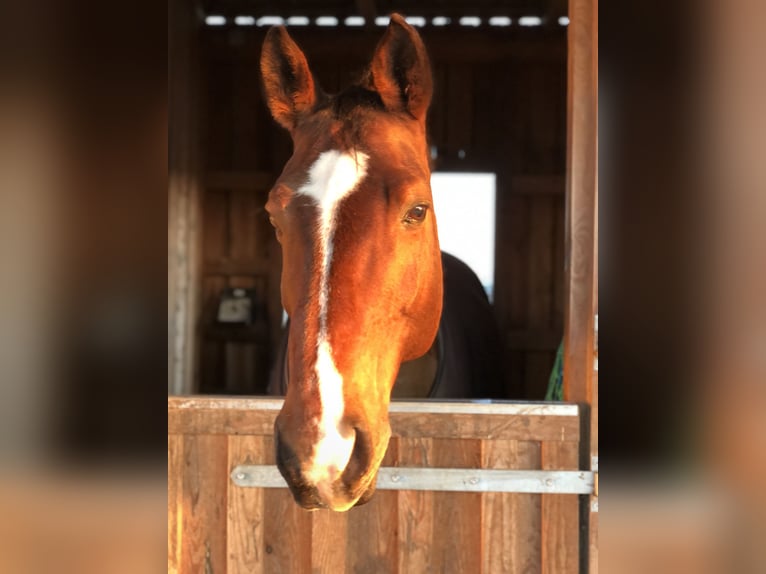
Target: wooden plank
{"points": [[175, 506], [410, 425], [372, 544], [582, 158], [457, 533], [560, 514], [216, 421], [286, 534], [204, 482], [245, 516], [485, 427], [329, 532], [512, 522], [416, 509], [530, 421], [380, 552]]}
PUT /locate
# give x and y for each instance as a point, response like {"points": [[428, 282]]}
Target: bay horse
{"points": [[362, 274]]}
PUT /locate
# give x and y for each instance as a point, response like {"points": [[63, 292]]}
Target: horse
{"points": [[363, 278]]}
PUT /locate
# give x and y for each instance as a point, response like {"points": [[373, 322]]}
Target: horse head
{"points": [[361, 273]]}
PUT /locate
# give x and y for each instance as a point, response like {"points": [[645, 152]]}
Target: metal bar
{"points": [[445, 479]]}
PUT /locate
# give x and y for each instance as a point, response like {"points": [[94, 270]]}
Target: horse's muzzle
{"points": [[354, 486]]}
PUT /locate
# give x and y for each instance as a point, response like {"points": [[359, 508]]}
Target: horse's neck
{"points": [[416, 377]]}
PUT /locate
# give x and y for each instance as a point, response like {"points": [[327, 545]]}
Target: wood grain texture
{"points": [[224, 528], [329, 533], [582, 157], [245, 517], [416, 510], [408, 425], [373, 543], [175, 502], [512, 522], [457, 516], [286, 535], [204, 485], [560, 514]]}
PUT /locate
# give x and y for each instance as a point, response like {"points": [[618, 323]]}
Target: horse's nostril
{"points": [[361, 457]]}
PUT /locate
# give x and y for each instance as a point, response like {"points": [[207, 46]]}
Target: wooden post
{"points": [[581, 305], [183, 195]]}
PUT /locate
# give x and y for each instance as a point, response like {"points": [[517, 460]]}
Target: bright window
{"points": [[465, 211]]}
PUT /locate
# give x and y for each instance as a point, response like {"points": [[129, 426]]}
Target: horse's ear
{"points": [[288, 82], [400, 70]]}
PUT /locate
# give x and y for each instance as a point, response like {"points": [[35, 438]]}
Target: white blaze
{"points": [[331, 178]]}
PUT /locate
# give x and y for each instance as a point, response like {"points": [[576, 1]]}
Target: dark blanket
{"points": [[468, 342]]}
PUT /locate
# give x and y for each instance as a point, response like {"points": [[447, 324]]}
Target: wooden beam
{"points": [[581, 301], [411, 419]]}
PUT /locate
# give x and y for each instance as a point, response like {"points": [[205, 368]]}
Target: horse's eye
{"points": [[417, 214]]}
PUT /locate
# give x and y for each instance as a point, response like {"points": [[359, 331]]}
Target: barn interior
{"points": [[499, 109]]}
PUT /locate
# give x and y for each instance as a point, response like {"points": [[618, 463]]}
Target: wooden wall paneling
{"points": [[560, 513], [511, 279], [329, 535], [559, 277], [546, 139], [212, 352], [437, 114], [215, 231], [416, 509], [219, 111], [512, 522], [539, 303], [287, 533], [246, 99], [380, 551], [459, 120], [243, 217], [457, 515], [245, 516], [204, 483], [373, 537], [540, 288]]}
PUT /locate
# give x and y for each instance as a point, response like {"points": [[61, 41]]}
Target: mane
{"points": [[353, 97]]}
